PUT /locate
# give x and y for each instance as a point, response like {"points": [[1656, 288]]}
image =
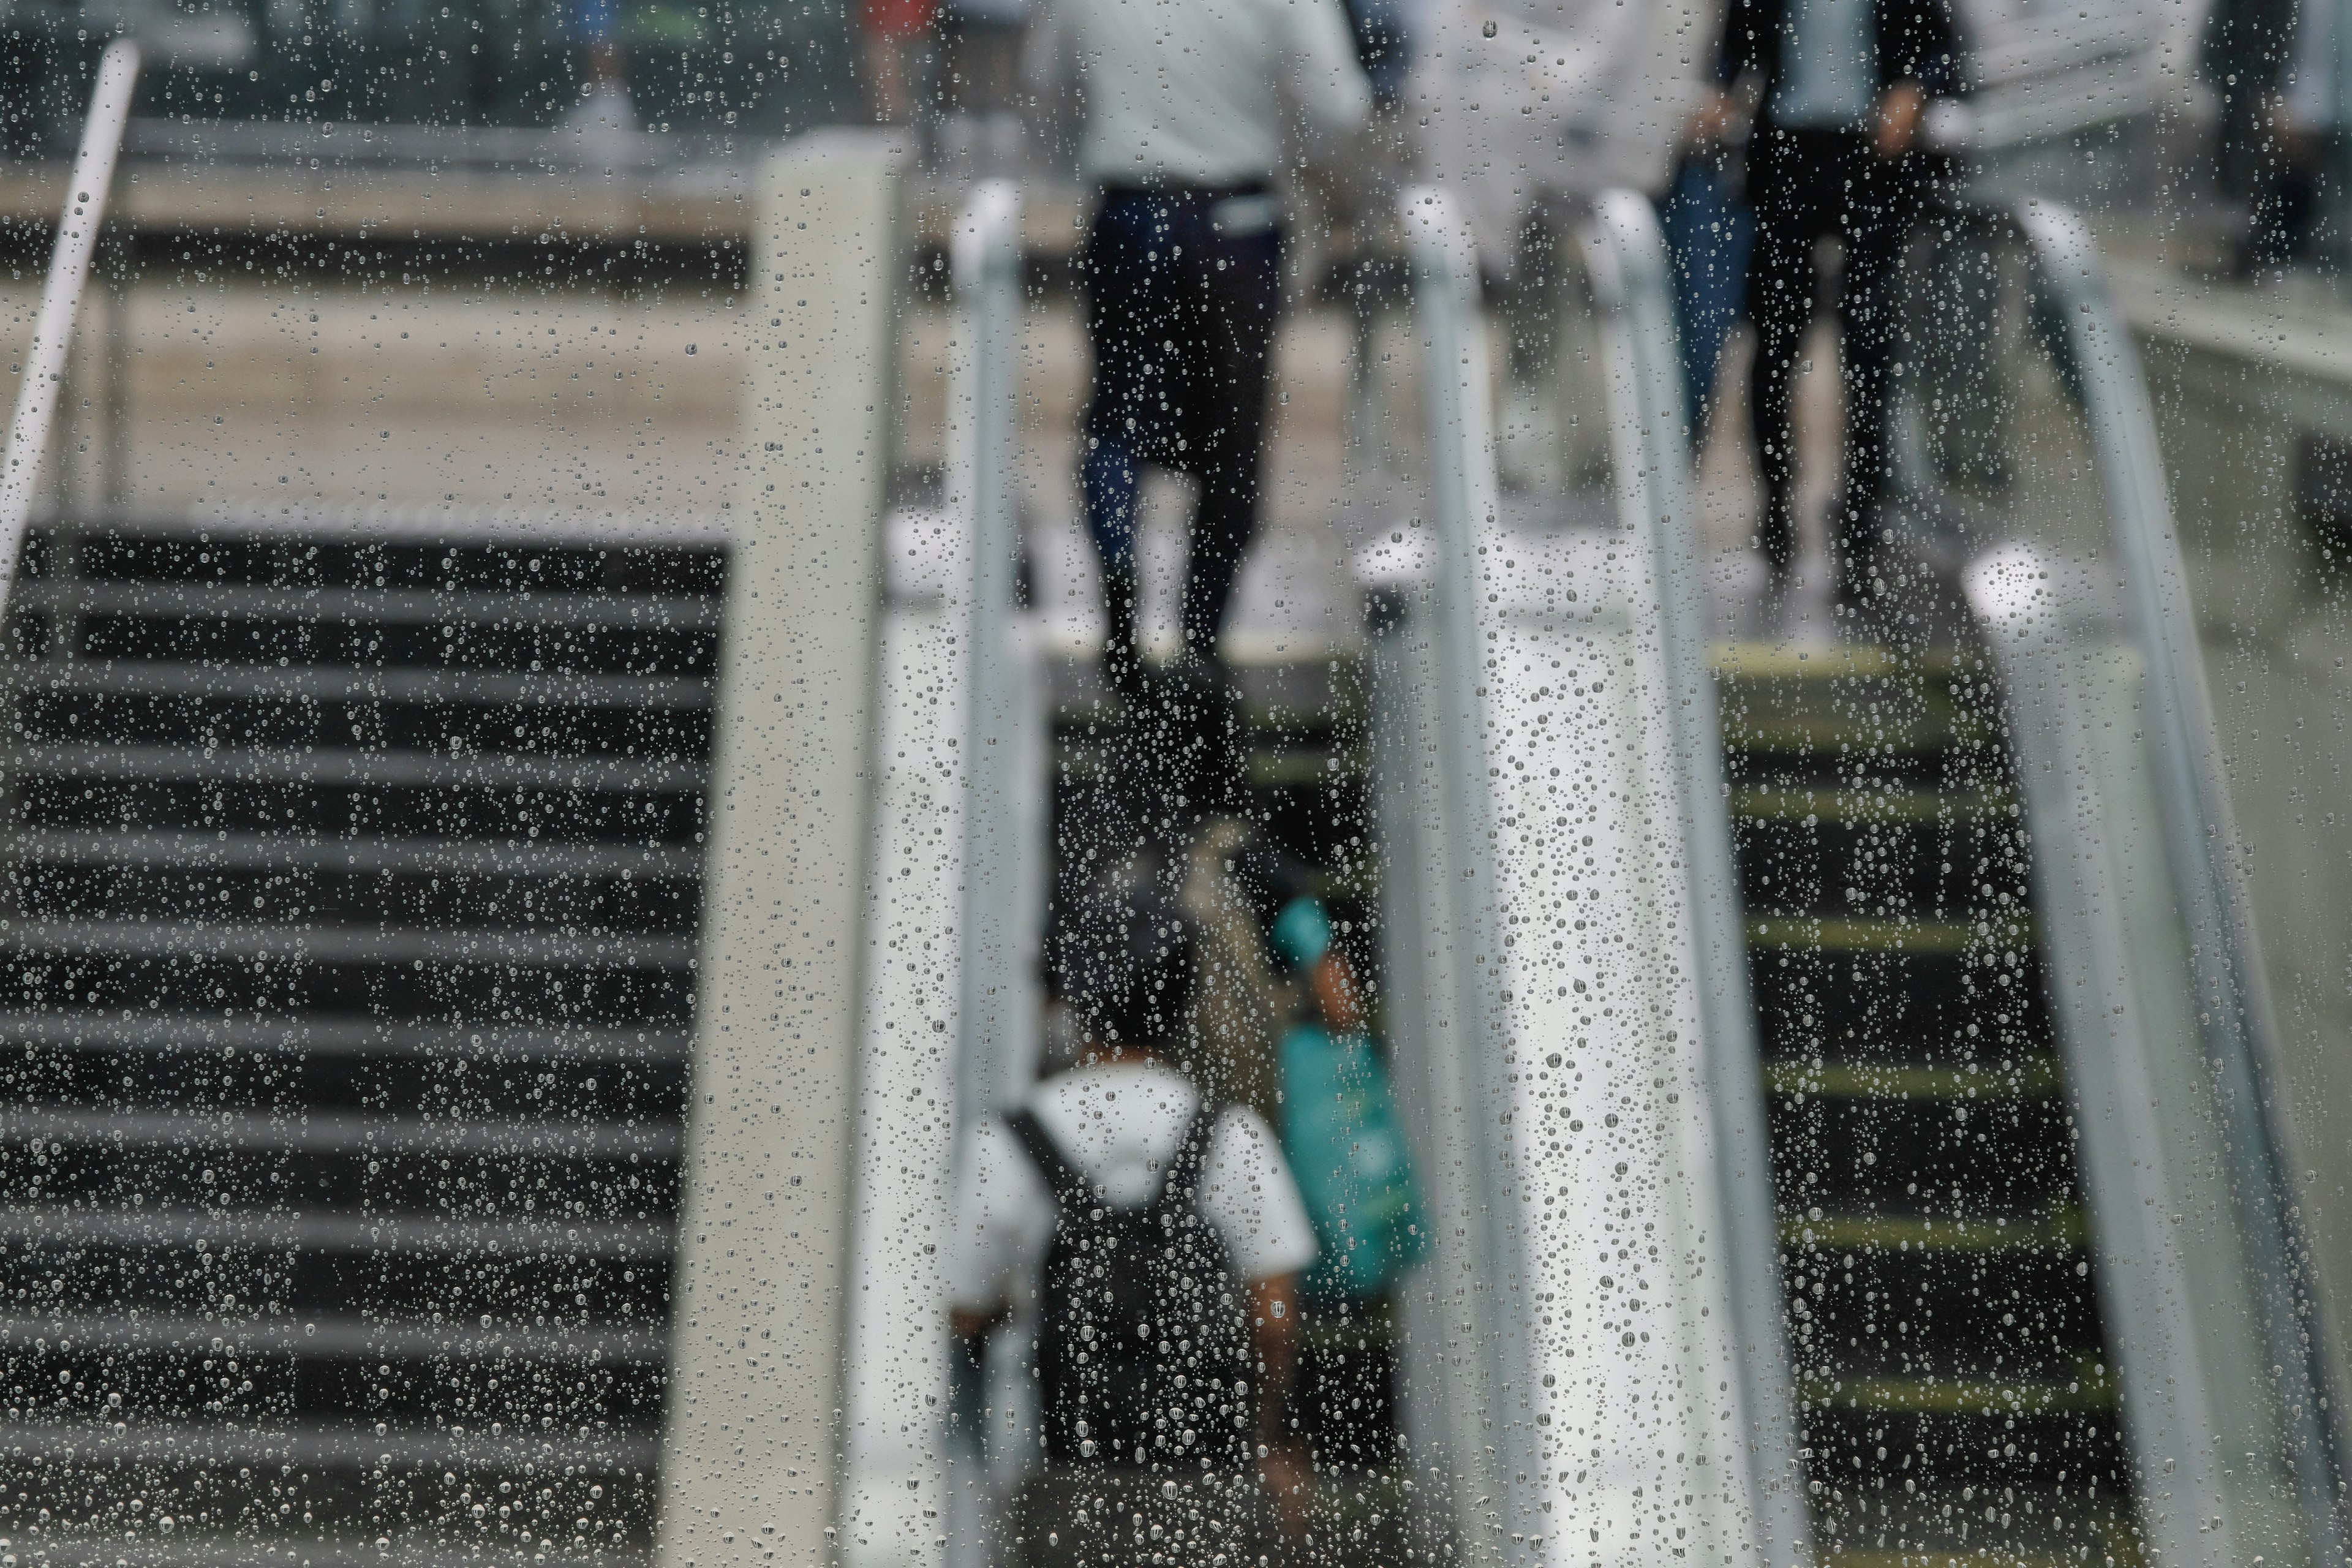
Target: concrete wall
{"points": [[751, 1455]]}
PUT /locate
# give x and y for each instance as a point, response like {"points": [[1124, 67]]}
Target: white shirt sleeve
{"points": [[1326, 81], [1004, 1212], [1248, 1194]]}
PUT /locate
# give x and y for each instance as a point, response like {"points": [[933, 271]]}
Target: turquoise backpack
{"points": [[1339, 1127]]}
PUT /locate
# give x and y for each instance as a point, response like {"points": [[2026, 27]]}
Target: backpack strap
{"points": [[1071, 1191], [1181, 1182]]}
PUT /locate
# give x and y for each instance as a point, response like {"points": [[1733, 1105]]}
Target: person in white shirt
{"points": [[1182, 109], [1150, 1242]]}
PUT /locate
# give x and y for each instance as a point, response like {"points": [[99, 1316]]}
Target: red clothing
{"points": [[899, 19]]}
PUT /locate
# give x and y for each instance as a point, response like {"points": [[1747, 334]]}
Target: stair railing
{"points": [[45, 358], [2233, 1016]]}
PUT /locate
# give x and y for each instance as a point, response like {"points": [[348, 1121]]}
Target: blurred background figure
{"points": [[1383, 32], [599, 28], [1181, 125], [979, 85], [1519, 101], [2278, 67], [1841, 89], [1339, 1124], [894, 39], [1118, 1157], [1709, 231]]}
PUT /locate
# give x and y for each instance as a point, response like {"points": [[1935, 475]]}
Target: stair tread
{"points": [[2064, 1231], [2034, 1076], [1886, 934], [1870, 785]]}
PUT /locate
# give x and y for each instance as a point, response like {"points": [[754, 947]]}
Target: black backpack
{"points": [[1144, 1349]]}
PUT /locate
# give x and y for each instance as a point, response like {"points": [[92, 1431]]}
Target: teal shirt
{"points": [[1346, 1146]]}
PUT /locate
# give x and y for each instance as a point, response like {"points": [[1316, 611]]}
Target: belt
{"points": [[1234, 210], [1183, 194]]}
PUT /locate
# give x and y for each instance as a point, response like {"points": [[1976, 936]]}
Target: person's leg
{"points": [[1224, 423], [1707, 236], [2302, 164], [1109, 474], [886, 73], [1063, 1518], [604, 108], [1126, 297], [1780, 304], [1888, 198]]}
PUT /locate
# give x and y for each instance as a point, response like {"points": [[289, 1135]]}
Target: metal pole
{"points": [[996, 1012], [986, 258], [44, 360], [114, 474]]}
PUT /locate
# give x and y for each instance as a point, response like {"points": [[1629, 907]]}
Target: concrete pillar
{"points": [[751, 1447]]}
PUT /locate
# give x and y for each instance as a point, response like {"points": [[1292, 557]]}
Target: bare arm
{"points": [[1899, 115], [1273, 1316], [1323, 77], [965, 1323], [1334, 984]]}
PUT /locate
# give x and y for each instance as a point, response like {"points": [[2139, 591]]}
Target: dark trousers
{"points": [[1071, 1518], [2290, 190], [1181, 289], [1806, 186]]}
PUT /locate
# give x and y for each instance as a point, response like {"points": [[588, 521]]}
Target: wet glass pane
{"points": [[927, 783]]}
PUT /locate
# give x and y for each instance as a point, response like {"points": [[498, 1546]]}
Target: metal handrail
{"points": [[2236, 1019], [1456, 404], [996, 1008], [1625, 258], [45, 357], [994, 1021]]}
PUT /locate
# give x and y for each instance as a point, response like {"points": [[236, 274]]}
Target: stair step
{"points": [[325, 943], [2062, 1232], [1956, 1396], [1868, 807], [1816, 934], [312, 1037], [2035, 1078], [336, 766], [353, 1026], [1935, 1256], [210, 604]]}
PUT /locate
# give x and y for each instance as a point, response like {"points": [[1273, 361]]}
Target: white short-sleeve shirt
{"points": [[1118, 1125], [1197, 93]]}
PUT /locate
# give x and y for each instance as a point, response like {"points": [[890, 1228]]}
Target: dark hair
{"points": [[1124, 956]]}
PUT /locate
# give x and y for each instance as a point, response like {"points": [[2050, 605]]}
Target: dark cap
{"points": [[1124, 956]]}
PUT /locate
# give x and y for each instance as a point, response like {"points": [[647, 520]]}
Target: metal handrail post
{"points": [[986, 269], [53, 330], [996, 1022]]}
